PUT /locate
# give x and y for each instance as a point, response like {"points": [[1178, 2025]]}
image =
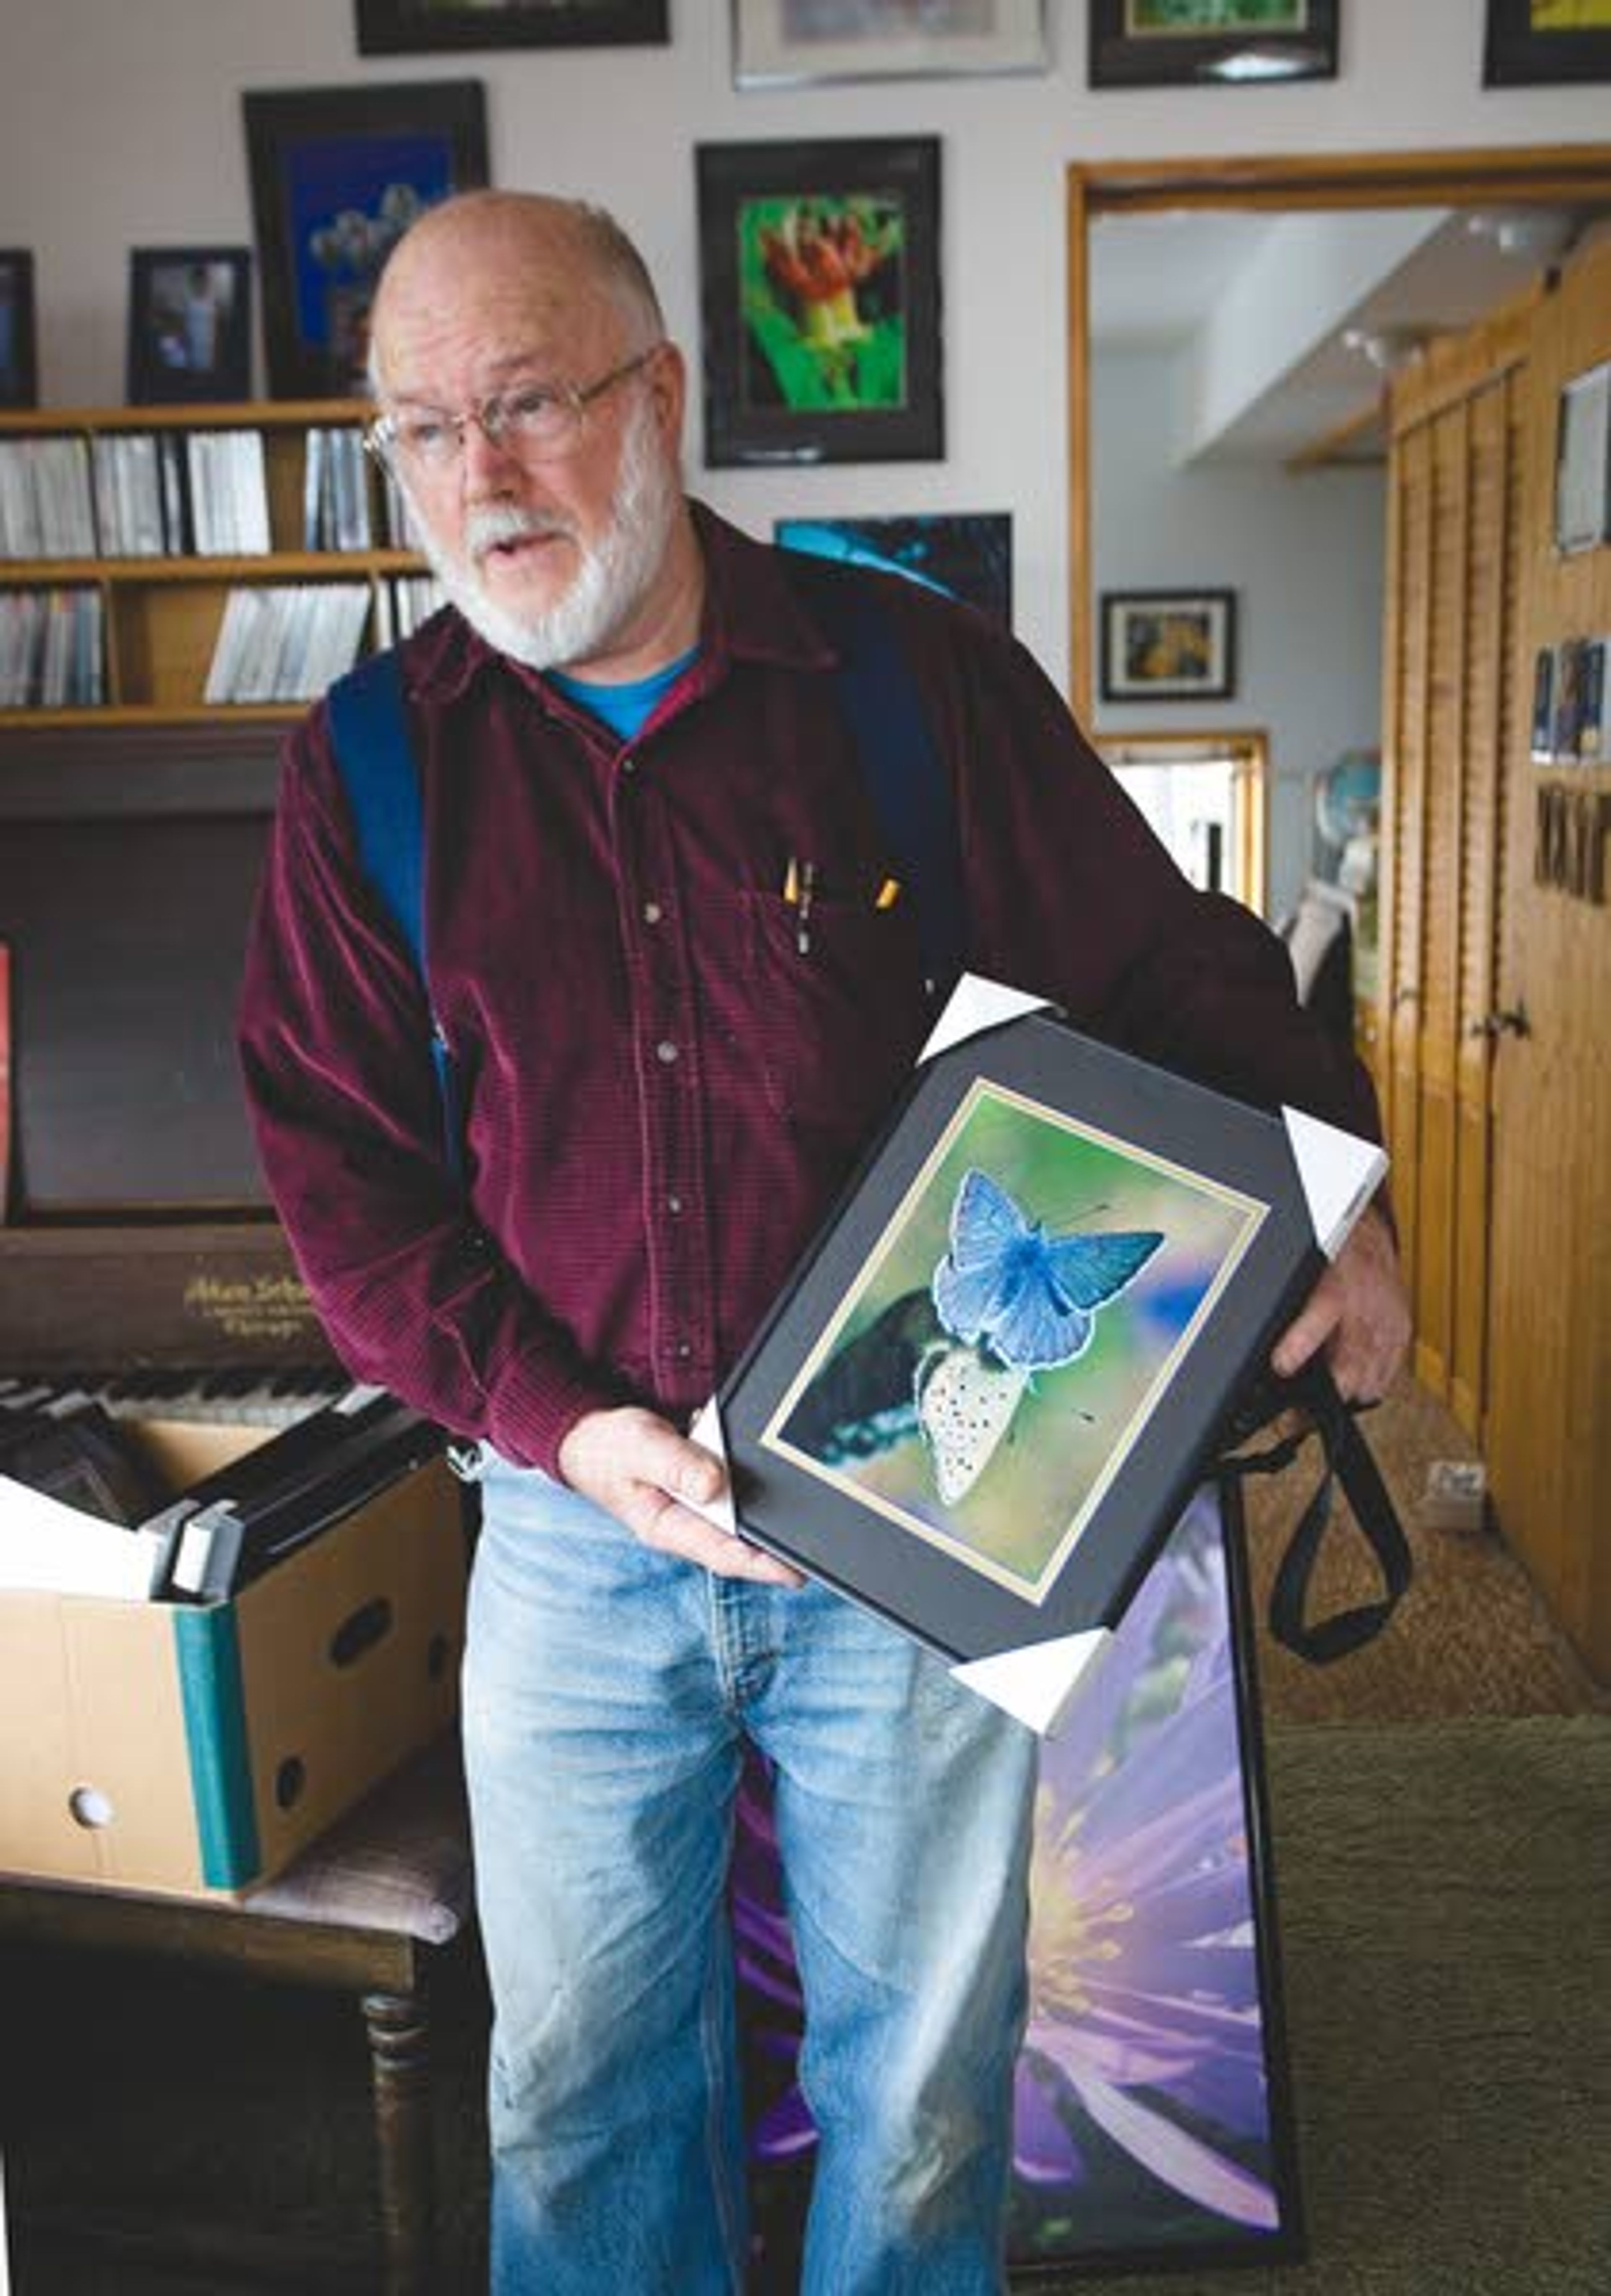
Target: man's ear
{"points": [[668, 380]]}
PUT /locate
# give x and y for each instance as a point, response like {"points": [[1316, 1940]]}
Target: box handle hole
{"points": [[437, 1652], [369, 1624], [289, 1780]]}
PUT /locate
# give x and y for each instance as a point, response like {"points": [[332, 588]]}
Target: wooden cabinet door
{"points": [[1548, 1426]]}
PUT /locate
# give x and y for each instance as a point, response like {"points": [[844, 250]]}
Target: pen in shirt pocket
{"points": [[799, 891]]}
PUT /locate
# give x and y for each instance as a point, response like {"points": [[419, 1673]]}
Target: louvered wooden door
{"points": [[1549, 1426], [1453, 547]]}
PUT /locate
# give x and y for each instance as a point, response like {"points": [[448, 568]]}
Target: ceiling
{"points": [[1255, 309]]}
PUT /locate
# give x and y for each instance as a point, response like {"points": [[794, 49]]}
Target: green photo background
{"points": [[822, 284]]}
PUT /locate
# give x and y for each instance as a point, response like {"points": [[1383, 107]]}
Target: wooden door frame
{"points": [[1524, 175]]}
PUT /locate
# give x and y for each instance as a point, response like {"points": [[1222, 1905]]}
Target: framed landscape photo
{"points": [[189, 324], [819, 277], [966, 553], [337, 177], [1532, 41], [19, 359], [996, 1377], [1177, 43], [789, 43], [1168, 645], [392, 28]]}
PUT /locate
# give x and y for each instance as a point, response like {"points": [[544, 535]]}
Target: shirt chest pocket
{"points": [[838, 1010]]}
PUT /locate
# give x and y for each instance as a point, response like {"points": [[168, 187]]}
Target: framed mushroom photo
{"points": [[819, 278]]}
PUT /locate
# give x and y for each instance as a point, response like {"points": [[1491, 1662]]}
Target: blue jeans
{"points": [[608, 1692]]}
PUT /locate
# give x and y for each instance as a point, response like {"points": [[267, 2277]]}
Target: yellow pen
{"points": [[888, 894], [791, 883]]}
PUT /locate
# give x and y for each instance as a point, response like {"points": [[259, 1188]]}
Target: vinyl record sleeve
{"points": [[994, 1378]]}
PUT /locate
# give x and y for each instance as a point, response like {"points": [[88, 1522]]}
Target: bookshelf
{"points": [[154, 613]]}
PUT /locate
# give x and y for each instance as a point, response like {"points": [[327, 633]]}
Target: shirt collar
{"points": [[753, 612]]}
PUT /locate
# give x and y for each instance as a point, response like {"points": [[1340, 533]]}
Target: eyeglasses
{"points": [[538, 422]]}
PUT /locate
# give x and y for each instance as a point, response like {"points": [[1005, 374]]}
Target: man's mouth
{"points": [[504, 541]]}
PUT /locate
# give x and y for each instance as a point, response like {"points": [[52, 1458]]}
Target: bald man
{"points": [[627, 724]]}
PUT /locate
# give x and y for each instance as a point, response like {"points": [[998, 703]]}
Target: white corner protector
{"points": [[1340, 1173], [1037, 1684], [976, 1004], [707, 1430]]}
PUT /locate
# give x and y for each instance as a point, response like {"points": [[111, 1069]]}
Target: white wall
{"points": [[120, 126], [1303, 555]]}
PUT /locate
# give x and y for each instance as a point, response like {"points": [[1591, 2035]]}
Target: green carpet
{"points": [[1444, 1893]]}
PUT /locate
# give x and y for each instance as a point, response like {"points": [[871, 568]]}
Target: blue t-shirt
{"points": [[624, 708]]}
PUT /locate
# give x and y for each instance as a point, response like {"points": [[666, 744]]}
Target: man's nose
{"points": [[479, 453]]}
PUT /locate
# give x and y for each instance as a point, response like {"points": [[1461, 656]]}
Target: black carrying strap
{"points": [[1348, 1460]]}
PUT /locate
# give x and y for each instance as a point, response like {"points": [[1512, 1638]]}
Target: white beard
{"points": [[611, 581]]}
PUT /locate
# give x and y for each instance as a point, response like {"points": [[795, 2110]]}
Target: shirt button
{"points": [[674, 1203], [628, 765], [684, 1349], [652, 913], [665, 1052]]}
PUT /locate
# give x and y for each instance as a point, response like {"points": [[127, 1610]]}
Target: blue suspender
{"points": [[907, 784], [375, 757]]}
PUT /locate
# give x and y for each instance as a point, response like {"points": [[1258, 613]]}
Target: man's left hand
{"points": [[1357, 1312]]}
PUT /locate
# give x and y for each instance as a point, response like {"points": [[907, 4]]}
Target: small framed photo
{"points": [[1530, 41], [819, 276], [792, 43], [1177, 43], [1001, 1369], [966, 553], [395, 27], [189, 324], [1168, 645], [1583, 462], [19, 362], [338, 175]]}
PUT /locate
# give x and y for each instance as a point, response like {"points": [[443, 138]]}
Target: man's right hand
{"points": [[638, 1468]]}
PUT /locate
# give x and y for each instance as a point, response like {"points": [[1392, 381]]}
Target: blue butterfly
{"points": [[1030, 1298]]}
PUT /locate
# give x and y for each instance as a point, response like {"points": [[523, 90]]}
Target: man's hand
{"points": [[640, 1469], [1357, 1312]]}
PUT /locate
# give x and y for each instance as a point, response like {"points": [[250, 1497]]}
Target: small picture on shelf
{"points": [[338, 175], [189, 324], [1543, 707], [19, 374]]}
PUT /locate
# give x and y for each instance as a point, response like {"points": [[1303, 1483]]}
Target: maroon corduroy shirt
{"points": [[664, 1090]]}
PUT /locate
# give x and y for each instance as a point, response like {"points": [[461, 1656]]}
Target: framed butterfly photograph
{"points": [[994, 1381]]}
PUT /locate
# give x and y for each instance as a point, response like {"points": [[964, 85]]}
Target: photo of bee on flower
{"points": [[822, 285], [1016, 1326]]}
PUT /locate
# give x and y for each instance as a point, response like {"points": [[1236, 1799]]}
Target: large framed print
{"points": [[790, 43], [993, 1381], [819, 280], [1177, 43], [1153, 2121], [392, 28], [338, 175]]}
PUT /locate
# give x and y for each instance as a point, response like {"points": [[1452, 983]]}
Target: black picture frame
{"points": [[1162, 1754], [1518, 52], [337, 175], [1168, 645], [968, 554], [19, 341], [189, 324], [819, 278], [399, 27], [1157, 42], [993, 1483]]}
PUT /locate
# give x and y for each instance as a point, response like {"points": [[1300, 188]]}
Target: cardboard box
{"points": [[189, 1749]]}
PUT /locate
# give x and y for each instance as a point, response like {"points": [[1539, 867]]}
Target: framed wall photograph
{"points": [[1529, 42], [966, 553], [819, 280], [1583, 461], [338, 175], [1153, 2121], [19, 358], [1177, 43], [1168, 645], [395, 27], [792, 43], [997, 1375], [189, 324]]}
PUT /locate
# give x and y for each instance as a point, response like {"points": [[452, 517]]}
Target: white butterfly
{"points": [[965, 1406]]}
